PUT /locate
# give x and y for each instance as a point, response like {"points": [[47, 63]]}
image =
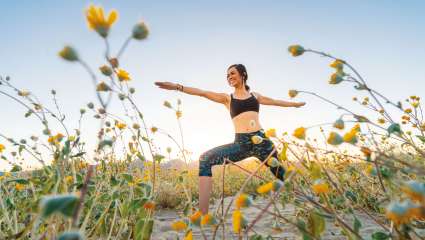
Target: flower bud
{"points": [[140, 31], [69, 54], [107, 71]]}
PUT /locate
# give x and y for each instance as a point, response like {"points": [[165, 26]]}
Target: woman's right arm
{"points": [[213, 96]]}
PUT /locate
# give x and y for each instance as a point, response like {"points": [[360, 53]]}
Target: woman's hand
{"points": [[299, 104], [166, 85]]}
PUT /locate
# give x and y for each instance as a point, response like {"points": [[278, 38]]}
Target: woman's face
{"points": [[233, 77]]}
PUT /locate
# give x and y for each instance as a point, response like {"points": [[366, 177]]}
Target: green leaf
{"points": [[20, 181], [422, 138], [394, 128], [16, 168], [64, 204], [127, 177], [71, 236], [357, 225], [143, 229], [316, 224], [78, 154], [380, 236]]}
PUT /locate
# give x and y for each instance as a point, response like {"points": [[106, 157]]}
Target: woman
{"points": [[244, 108]]}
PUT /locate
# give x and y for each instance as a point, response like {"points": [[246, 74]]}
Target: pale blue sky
{"points": [[193, 42]]}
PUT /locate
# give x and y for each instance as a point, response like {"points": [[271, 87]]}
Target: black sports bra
{"points": [[238, 106]]}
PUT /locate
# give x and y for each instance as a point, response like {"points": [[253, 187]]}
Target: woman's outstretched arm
{"points": [[213, 96], [275, 102]]}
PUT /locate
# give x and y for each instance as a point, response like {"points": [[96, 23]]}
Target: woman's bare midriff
{"points": [[246, 122]]}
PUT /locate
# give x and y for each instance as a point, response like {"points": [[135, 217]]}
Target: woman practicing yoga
{"points": [[244, 108]]}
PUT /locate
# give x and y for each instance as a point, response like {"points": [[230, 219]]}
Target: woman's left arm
{"points": [[275, 102]]}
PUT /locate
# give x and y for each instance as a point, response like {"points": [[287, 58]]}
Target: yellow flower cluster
{"points": [[320, 187], [274, 186], [238, 221], [299, 133], [55, 139], [123, 75], [2, 148], [97, 21], [243, 201], [179, 226]]}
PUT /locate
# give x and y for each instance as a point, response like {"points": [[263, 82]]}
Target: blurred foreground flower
{"points": [[96, 20], [320, 187], [195, 218], [179, 226], [275, 186], [238, 221], [208, 219], [339, 124], [299, 133], [271, 133], [2, 148], [334, 139], [243, 201], [256, 139], [414, 190]]}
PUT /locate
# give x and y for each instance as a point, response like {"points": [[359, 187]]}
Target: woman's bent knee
{"points": [[205, 165]]}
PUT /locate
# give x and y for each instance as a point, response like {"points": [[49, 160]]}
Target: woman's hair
{"points": [[242, 71]]}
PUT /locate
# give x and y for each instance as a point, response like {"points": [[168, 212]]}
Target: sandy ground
{"points": [[164, 218]]}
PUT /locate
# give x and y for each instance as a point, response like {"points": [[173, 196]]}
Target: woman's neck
{"points": [[240, 91]]}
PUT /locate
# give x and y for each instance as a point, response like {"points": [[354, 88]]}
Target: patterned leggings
{"points": [[240, 149]]}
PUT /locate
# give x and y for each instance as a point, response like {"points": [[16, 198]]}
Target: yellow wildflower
{"points": [[2, 177], [381, 120], [179, 226], [2, 148], [19, 187], [238, 221], [320, 187], [334, 138], [256, 139], [398, 212], [195, 218], [69, 179], [189, 235], [120, 125], [179, 114], [123, 75], [408, 110], [97, 21], [265, 188], [337, 64], [270, 186], [149, 205], [7, 174], [350, 137], [243, 200], [154, 129], [208, 219], [414, 190], [299, 133], [271, 133]]}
